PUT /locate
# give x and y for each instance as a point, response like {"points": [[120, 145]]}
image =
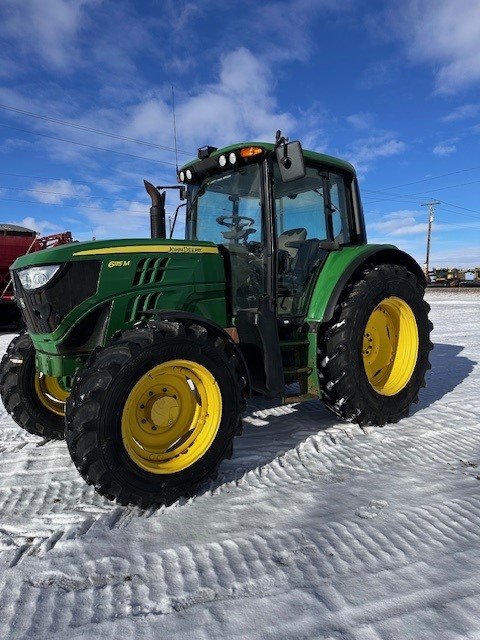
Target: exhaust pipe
{"points": [[157, 211]]}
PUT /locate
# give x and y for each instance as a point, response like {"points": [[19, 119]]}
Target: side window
{"points": [[300, 205], [308, 211], [338, 200]]}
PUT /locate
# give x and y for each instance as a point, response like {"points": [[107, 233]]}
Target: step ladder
{"points": [[295, 368]]}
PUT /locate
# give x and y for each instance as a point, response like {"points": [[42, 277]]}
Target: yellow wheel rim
{"points": [[390, 346], [171, 416], [51, 393]]}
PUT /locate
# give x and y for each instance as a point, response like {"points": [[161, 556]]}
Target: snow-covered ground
{"points": [[315, 529]]}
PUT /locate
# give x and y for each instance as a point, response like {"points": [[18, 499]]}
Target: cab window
{"points": [[227, 209], [308, 212]]}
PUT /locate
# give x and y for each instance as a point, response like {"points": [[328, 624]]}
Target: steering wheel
{"points": [[238, 225], [238, 221]]}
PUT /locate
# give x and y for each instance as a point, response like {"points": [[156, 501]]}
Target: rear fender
{"points": [[340, 268], [344, 266]]}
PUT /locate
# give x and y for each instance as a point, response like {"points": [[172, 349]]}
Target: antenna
{"points": [[174, 129]]}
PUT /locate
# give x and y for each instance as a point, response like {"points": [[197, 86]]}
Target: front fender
{"points": [[209, 325]]}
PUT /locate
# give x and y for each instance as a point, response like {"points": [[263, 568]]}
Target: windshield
{"points": [[226, 208]]}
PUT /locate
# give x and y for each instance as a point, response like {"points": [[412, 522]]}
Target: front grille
{"points": [[44, 310]]}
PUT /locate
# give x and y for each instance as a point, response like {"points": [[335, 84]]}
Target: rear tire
{"points": [[20, 387], [142, 464], [346, 363]]}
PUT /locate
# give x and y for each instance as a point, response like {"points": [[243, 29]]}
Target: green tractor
{"points": [[142, 353]]}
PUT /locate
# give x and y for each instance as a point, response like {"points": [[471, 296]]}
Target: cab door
{"points": [[312, 218]]}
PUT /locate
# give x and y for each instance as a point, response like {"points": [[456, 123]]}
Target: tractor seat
{"points": [[289, 241], [308, 256]]}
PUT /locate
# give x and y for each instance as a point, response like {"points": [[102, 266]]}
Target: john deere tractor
{"points": [[144, 352]]}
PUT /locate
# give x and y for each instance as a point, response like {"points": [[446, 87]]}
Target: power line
{"points": [[440, 175], [64, 195], [70, 206], [457, 213], [419, 193], [75, 206], [81, 127], [88, 146], [456, 206], [56, 178]]}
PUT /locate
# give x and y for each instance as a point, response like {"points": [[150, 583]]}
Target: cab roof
{"points": [[319, 158]]}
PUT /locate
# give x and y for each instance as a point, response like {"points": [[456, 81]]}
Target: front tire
{"points": [[152, 415], [36, 402], [374, 353]]}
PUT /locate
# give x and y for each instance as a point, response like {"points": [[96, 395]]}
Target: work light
{"points": [[232, 158], [222, 161]]}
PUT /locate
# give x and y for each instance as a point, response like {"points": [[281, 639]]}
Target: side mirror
{"points": [[291, 161]]}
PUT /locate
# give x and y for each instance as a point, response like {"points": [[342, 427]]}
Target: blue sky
{"points": [[391, 86]]}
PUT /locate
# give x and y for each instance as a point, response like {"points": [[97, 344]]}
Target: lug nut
{"points": [[143, 421], [154, 428]]}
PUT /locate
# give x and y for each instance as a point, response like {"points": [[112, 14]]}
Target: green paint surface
{"points": [[130, 283]]}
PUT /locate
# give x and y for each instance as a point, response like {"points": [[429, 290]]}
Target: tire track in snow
{"points": [[260, 564], [319, 455]]}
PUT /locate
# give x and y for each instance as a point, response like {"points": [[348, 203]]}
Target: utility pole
{"points": [[431, 215]]}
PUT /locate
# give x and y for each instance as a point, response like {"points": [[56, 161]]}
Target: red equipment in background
{"points": [[16, 241]]}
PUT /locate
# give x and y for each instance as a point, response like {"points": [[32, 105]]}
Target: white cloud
{"points": [[443, 33], [47, 29], [444, 149], [43, 227], [462, 112], [57, 191], [285, 27], [364, 151], [240, 105], [399, 223], [361, 120]]}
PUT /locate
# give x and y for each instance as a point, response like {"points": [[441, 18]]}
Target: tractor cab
{"points": [[276, 213], [277, 225]]}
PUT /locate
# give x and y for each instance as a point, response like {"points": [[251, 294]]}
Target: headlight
{"points": [[36, 277], [222, 161], [182, 176], [189, 174], [232, 158]]}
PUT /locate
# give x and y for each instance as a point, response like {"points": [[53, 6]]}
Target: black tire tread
{"points": [[20, 349], [89, 385], [337, 386]]}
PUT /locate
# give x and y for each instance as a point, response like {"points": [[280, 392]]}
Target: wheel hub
{"points": [[390, 346], [171, 416], [163, 412], [51, 393]]}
